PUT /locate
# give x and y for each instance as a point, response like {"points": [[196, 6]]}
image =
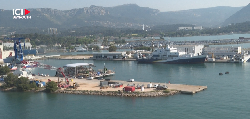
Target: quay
{"points": [[89, 57], [94, 85]]}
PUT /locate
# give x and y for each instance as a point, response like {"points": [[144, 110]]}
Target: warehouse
{"points": [[108, 55]]}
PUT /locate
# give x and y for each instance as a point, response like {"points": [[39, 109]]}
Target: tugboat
{"points": [[171, 56]]}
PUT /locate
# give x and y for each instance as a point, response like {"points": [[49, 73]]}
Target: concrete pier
{"points": [[94, 85]]}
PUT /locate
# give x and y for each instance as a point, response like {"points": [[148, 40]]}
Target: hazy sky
{"points": [[162, 5]]}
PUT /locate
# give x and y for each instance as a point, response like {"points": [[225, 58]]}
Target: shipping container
{"points": [[103, 83], [129, 88]]}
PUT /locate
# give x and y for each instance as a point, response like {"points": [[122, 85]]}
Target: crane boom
{"points": [[60, 70]]}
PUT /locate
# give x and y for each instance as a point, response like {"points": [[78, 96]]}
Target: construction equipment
{"points": [[75, 85], [60, 70]]}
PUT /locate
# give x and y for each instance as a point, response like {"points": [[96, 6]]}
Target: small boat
{"points": [[109, 73]]}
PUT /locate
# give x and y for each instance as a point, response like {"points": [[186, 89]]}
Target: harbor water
{"points": [[226, 96]]}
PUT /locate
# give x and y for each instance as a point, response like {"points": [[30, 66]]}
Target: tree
{"points": [[4, 70], [112, 48], [51, 87], [23, 84], [10, 80], [95, 47]]}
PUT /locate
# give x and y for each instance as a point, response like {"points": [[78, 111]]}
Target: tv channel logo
{"points": [[21, 14]]}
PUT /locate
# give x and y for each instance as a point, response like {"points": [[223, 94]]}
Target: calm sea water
{"points": [[227, 96]]}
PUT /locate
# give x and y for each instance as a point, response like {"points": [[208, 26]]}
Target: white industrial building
{"points": [[198, 28], [194, 49], [108, 55], [225, 51], [185, 28], [27, 45]]}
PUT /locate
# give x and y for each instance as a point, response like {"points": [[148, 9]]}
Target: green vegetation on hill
{"points": [[85, 36], [50, 40], [123, 16], [233, 28]]}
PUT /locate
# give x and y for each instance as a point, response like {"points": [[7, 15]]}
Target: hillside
{"points": [[242, 15], [123, 16], [208, 17]]}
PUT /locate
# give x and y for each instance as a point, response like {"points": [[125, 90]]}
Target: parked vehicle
{"points": [[155, 86]]}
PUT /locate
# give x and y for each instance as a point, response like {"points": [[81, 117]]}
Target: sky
{"points": [[162, 5]]}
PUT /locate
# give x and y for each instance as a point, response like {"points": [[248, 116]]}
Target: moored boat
{"points": [[171, 56]]}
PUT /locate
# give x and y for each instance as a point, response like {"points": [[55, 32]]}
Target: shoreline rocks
{"points": [[119, 93], [108, 93]]}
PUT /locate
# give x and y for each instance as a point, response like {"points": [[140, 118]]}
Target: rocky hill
{"points": [[123, 16], [242, 15]]}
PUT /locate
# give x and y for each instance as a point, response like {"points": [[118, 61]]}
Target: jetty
{"points": [[89, 86]]}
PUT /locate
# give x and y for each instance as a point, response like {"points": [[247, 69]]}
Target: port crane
{"points": [[18, 50], [18, 59]]}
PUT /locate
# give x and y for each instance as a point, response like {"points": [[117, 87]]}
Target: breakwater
{"points": [[121, 93]]}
